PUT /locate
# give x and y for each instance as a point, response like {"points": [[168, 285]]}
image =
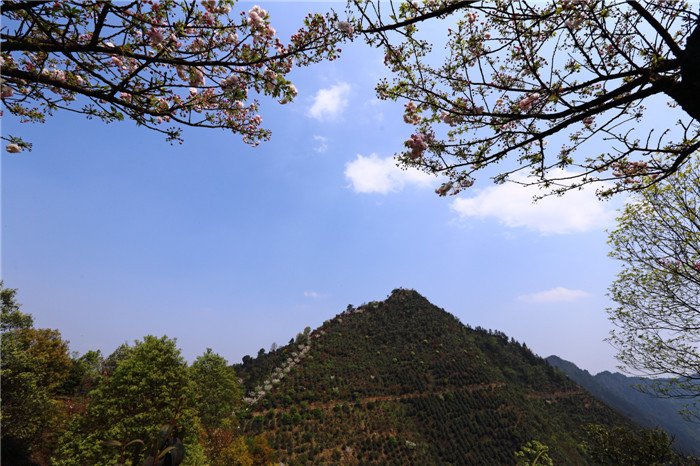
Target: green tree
{"points": [[12, 317], [35, 362], [216, 392], [83, 374], [517, 75], [148, 389], [533, 453], [622, 447], [658, 290]]}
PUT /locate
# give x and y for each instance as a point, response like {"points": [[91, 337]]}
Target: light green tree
{"points": [[532, 454], [658, 289], [216, 391], [148, 389]]}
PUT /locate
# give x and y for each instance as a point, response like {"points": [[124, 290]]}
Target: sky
{"points": [[110, 233]]}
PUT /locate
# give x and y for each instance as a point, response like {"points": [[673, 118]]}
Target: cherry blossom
{"points": [[175, 62], [512, 74]]}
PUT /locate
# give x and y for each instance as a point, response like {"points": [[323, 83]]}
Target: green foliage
{"points": [[12, 317], [658, 289], [622, 447], [215, 392], [533, 453], [35, 363], [83, 374], [477, 397], [145, 392]]}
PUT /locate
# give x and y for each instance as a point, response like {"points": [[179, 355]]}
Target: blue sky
{"points": [[110, 233]]}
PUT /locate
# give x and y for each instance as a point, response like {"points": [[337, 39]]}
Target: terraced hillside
{"points": [[404, 382]]}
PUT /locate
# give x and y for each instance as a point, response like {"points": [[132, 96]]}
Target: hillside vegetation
{"points": [[404, 382]]}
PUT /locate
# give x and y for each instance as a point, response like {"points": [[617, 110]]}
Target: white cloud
{"points": [[328, 103], [577, 211], [555, 295], [374, 175], [322, 144], [311, 294]]}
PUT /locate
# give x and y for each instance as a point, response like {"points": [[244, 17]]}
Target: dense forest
{"points": [[393, 382]]}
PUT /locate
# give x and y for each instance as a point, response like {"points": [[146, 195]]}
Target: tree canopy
{"points": [[35, 363], [657, 292], [165, 65], [542, 86], [557, 90]]}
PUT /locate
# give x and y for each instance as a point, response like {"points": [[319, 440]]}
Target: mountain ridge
{"points": [[617, 390]]}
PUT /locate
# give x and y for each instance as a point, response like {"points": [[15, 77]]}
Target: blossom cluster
{"points": [[444, 189], [674, 264], [256, 22], [526, 103], [417, 145], [412, 114], [630, 170]]}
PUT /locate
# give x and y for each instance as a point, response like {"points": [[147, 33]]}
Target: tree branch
{"points": [[443, 11], [675, 48]]}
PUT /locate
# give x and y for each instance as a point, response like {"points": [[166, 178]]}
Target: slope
{"points": [[618, 392], [404, 382]]}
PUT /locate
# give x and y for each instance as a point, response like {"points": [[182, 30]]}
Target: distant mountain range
{"points": [[404, 382], [618, 392]]}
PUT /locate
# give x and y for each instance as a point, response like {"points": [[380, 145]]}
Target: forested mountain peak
{"points": [[403, 381]]}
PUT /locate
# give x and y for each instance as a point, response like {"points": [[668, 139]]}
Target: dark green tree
{"points": [[621, 447], [12, 317], [35, 362]]}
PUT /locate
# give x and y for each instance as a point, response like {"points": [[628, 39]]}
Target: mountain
{"points": [[404, 382], [618, 392]]}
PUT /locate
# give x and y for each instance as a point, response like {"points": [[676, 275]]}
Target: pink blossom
{"points": [[444, 189], [156, 36], [417, 146], [181, 72], [229, 83], [58, 75], [13, 148], [6, 92], [346, 27], [198, 77], [573, 24]]}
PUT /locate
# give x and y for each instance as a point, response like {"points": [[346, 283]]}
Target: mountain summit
{"points": [[403, 381]]}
